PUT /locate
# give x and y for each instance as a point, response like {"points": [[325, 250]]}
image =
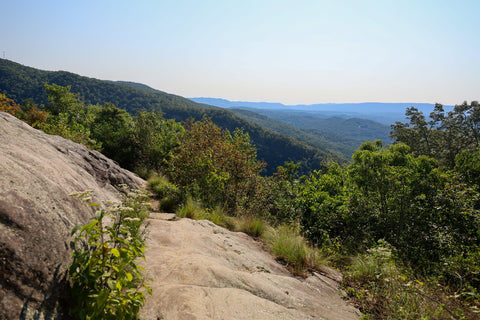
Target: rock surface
{"points": [[37, 174], [201, 271]]}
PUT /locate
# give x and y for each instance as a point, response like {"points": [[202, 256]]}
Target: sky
{"points": [[293, 52]]}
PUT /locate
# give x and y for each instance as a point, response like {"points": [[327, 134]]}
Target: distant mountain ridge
{"points": [[135, 84], [383, 112], [350, 107]]}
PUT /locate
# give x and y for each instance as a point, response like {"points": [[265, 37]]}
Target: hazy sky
{"points": [[277, 51]]}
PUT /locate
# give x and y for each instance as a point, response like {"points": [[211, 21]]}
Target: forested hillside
{"points": [[351, 127], [340, 135], [23, 84], [320, 125]]}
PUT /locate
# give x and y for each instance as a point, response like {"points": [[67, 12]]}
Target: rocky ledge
{"points": [[201, 271], [37, 173]]}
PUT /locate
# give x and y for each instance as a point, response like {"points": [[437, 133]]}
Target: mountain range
{"points": [[386, 113]]}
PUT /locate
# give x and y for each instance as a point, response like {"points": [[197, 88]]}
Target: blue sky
{"points": [[278, 51]]}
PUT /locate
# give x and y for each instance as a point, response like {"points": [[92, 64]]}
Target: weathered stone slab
{"points": [[200, 271], [37, 174]]}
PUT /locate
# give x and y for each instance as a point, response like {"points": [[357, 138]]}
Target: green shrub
{"points": [[385, 290], [168, 194], [104, 274], [69, 129], [216, 166]]}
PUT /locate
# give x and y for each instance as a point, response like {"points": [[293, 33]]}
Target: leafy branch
{"points": [[106, 280]]}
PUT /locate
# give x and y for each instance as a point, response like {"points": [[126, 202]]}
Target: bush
{"points": [[105, 277], [168, 194], [385, 290], [215, 166], [9, 106], [155, 139]]}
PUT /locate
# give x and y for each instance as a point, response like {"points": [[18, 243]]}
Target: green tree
{"points": [[284, 187], [113, 128], [443, 137], [417, 133], [155, 138], [467, 165], [321, 200], [393, 194], [62, 100], [216, 167], [67, 116], [388, 193]]}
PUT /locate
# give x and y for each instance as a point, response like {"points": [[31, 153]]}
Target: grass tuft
{"points": [[218, 216], [287, 244], [190, 209], [252, 226]]}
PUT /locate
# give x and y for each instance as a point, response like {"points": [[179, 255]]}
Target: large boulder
{"points": [[37, 173]]}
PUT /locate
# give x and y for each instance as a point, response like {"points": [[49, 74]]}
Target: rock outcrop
{"points": [[200, 271], [37, 174]]}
